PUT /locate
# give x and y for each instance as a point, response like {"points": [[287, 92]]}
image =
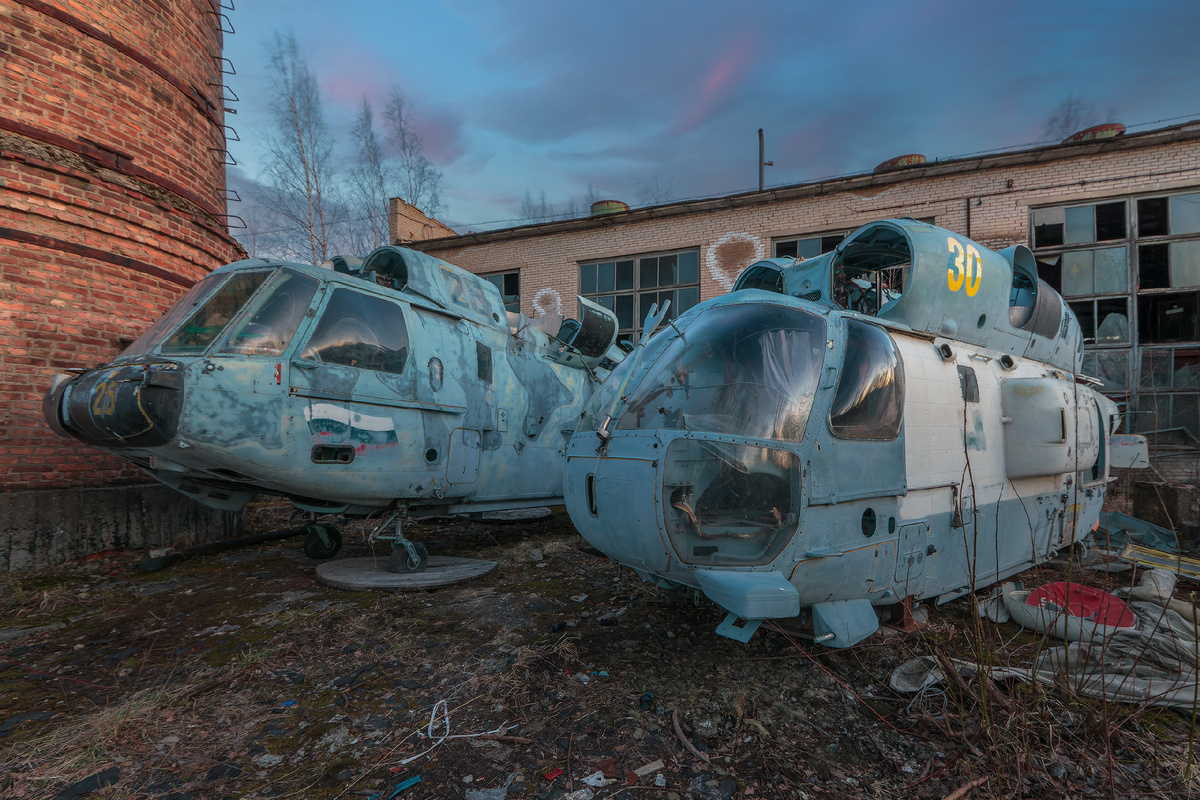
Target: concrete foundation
{"points": [[39, 528]]}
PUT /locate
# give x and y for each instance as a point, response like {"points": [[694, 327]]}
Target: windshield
{"points": [[747, 369], [267, 325], [167, 322], [207, 321]]}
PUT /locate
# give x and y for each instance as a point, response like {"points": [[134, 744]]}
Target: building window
{"points": [[1126, 266], [509, 286], [807, 247], [629, 286]]}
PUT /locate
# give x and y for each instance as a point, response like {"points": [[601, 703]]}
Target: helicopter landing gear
{"points": [[408, 557], [322, 541]]}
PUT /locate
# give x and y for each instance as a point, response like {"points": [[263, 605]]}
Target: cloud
{"points": [[721, 80]]}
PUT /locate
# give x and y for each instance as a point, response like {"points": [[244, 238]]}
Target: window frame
{"points": [[638, 294]]}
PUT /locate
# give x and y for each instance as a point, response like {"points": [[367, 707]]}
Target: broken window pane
{"points": [[1156, 368], [1185, 213], [1152, 216], [1110, 221], [1048, 227], [1152, 267], [1167, 318], [729, 504], [1080, 225], [1186, 374], [1050, 270], [1112, 272], [1111, 367], [1185, 264], [1112, 321], [1077, 277], [1085, 312]]}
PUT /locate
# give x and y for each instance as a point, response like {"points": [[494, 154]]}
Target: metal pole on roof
{"points": [[762, 162]]}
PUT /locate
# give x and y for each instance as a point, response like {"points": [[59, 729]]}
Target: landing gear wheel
{"points": [[319, 550], [400, 562]]}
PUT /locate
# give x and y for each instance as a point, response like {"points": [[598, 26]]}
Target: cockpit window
{"points": [[869, 401], [747, 370], [167, 322], [360, 330], [269, 322], [207, 321]]}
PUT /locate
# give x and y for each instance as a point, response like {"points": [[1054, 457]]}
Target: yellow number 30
{"points": [[959, 274]]}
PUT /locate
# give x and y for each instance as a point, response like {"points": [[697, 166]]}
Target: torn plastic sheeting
{"points": [[1152, 662]]}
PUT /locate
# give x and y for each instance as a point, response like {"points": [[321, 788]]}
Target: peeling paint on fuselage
{"points": [[476, 417]]}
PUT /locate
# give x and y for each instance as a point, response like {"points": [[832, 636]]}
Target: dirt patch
{"points": [[238, 675]]}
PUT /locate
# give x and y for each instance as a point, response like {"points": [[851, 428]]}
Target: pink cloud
{"points": [[720, 82]]}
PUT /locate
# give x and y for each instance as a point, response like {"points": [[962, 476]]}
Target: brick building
{"points": [[1115, 223], [112, 203]]}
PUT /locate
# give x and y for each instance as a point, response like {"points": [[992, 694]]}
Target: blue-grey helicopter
{"points": [[902, 418], [393, 382]]}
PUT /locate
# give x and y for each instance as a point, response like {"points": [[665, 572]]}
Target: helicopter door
{"points": [[910, 561], [463, 463], [358, 351]]}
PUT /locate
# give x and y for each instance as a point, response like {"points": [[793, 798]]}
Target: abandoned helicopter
{"points": [[395, 382], [900, 419]]}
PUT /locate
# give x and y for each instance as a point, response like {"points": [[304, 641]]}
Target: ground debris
{"points": [[243, 677]]}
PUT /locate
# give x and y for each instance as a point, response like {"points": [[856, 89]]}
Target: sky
{"points": [[614, 99]]}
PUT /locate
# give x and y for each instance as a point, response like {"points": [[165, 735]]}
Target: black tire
{"points": [[315, 549], [400, 563]]}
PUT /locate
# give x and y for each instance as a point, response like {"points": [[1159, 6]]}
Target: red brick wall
{"points": [[111, 183]]}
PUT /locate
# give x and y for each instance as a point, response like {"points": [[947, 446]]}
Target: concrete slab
{"points": [[357, 574]]}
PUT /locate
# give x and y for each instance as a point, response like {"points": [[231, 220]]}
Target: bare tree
{"points": [[420, 182], [536, 209], [1071, 115], [654, 190], [369, 179], [299, 169]]}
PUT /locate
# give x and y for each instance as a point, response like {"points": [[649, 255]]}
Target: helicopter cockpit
{"points": [[749, 371]]}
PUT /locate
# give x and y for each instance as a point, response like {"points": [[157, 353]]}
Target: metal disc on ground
{"points": [[371, 572], [517, 515]]}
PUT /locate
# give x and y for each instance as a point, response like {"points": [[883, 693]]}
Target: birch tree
{"points": [[299, 168], [419, 182], [369, 179]]}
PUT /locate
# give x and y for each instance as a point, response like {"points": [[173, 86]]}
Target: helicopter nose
{"points": [[132, 405]]}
